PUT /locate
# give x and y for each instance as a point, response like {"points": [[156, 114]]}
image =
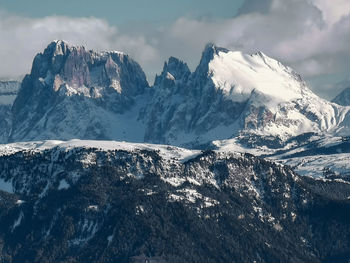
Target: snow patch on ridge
{"points": [[167, 152]]}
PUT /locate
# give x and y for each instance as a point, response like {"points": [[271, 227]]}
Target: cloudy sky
{"points": [[312, 36]]}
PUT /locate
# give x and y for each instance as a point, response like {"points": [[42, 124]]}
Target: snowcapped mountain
{"points": [[231, 93], [75, 93], [99, 200], [343, 98]]}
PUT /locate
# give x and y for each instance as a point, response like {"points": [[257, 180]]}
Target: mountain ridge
{"points": [[75, 93], [134, 203]]}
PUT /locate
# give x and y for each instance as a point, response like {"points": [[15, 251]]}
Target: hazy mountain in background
{"points": [[343, 98], [8, 92]]}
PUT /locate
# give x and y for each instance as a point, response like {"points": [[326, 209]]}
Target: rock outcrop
{"points": [[75, 93]]}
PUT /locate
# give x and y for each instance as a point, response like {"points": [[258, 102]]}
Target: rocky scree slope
{"points": [[134, 203]]}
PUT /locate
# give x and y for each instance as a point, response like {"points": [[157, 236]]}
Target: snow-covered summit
{"points": [[210, 50], [74, 93], [231, 93], [238, 75]]}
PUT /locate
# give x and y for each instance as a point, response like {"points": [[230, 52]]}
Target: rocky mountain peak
{"points": [[69, 83], [173, 70], [211, 49], [208, 54], [177, 68], [58, 47], [52, 58], [78, 70]]}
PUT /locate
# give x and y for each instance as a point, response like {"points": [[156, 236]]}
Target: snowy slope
{"points": [[286, 105], [317, 156], [165, 151], [323, 157], [238, 75], [333, 166]]}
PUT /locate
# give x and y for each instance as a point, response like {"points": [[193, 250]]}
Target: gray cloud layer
{"points": [[310, 35]]}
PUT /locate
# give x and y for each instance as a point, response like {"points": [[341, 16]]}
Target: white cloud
{"points": [[21, 38], [312, 36], [333, 10]]}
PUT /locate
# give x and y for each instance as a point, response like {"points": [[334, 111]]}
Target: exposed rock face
{"points": [[343, 98], [187, 108], [232, 93], [75, 93], [92, 205]]}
